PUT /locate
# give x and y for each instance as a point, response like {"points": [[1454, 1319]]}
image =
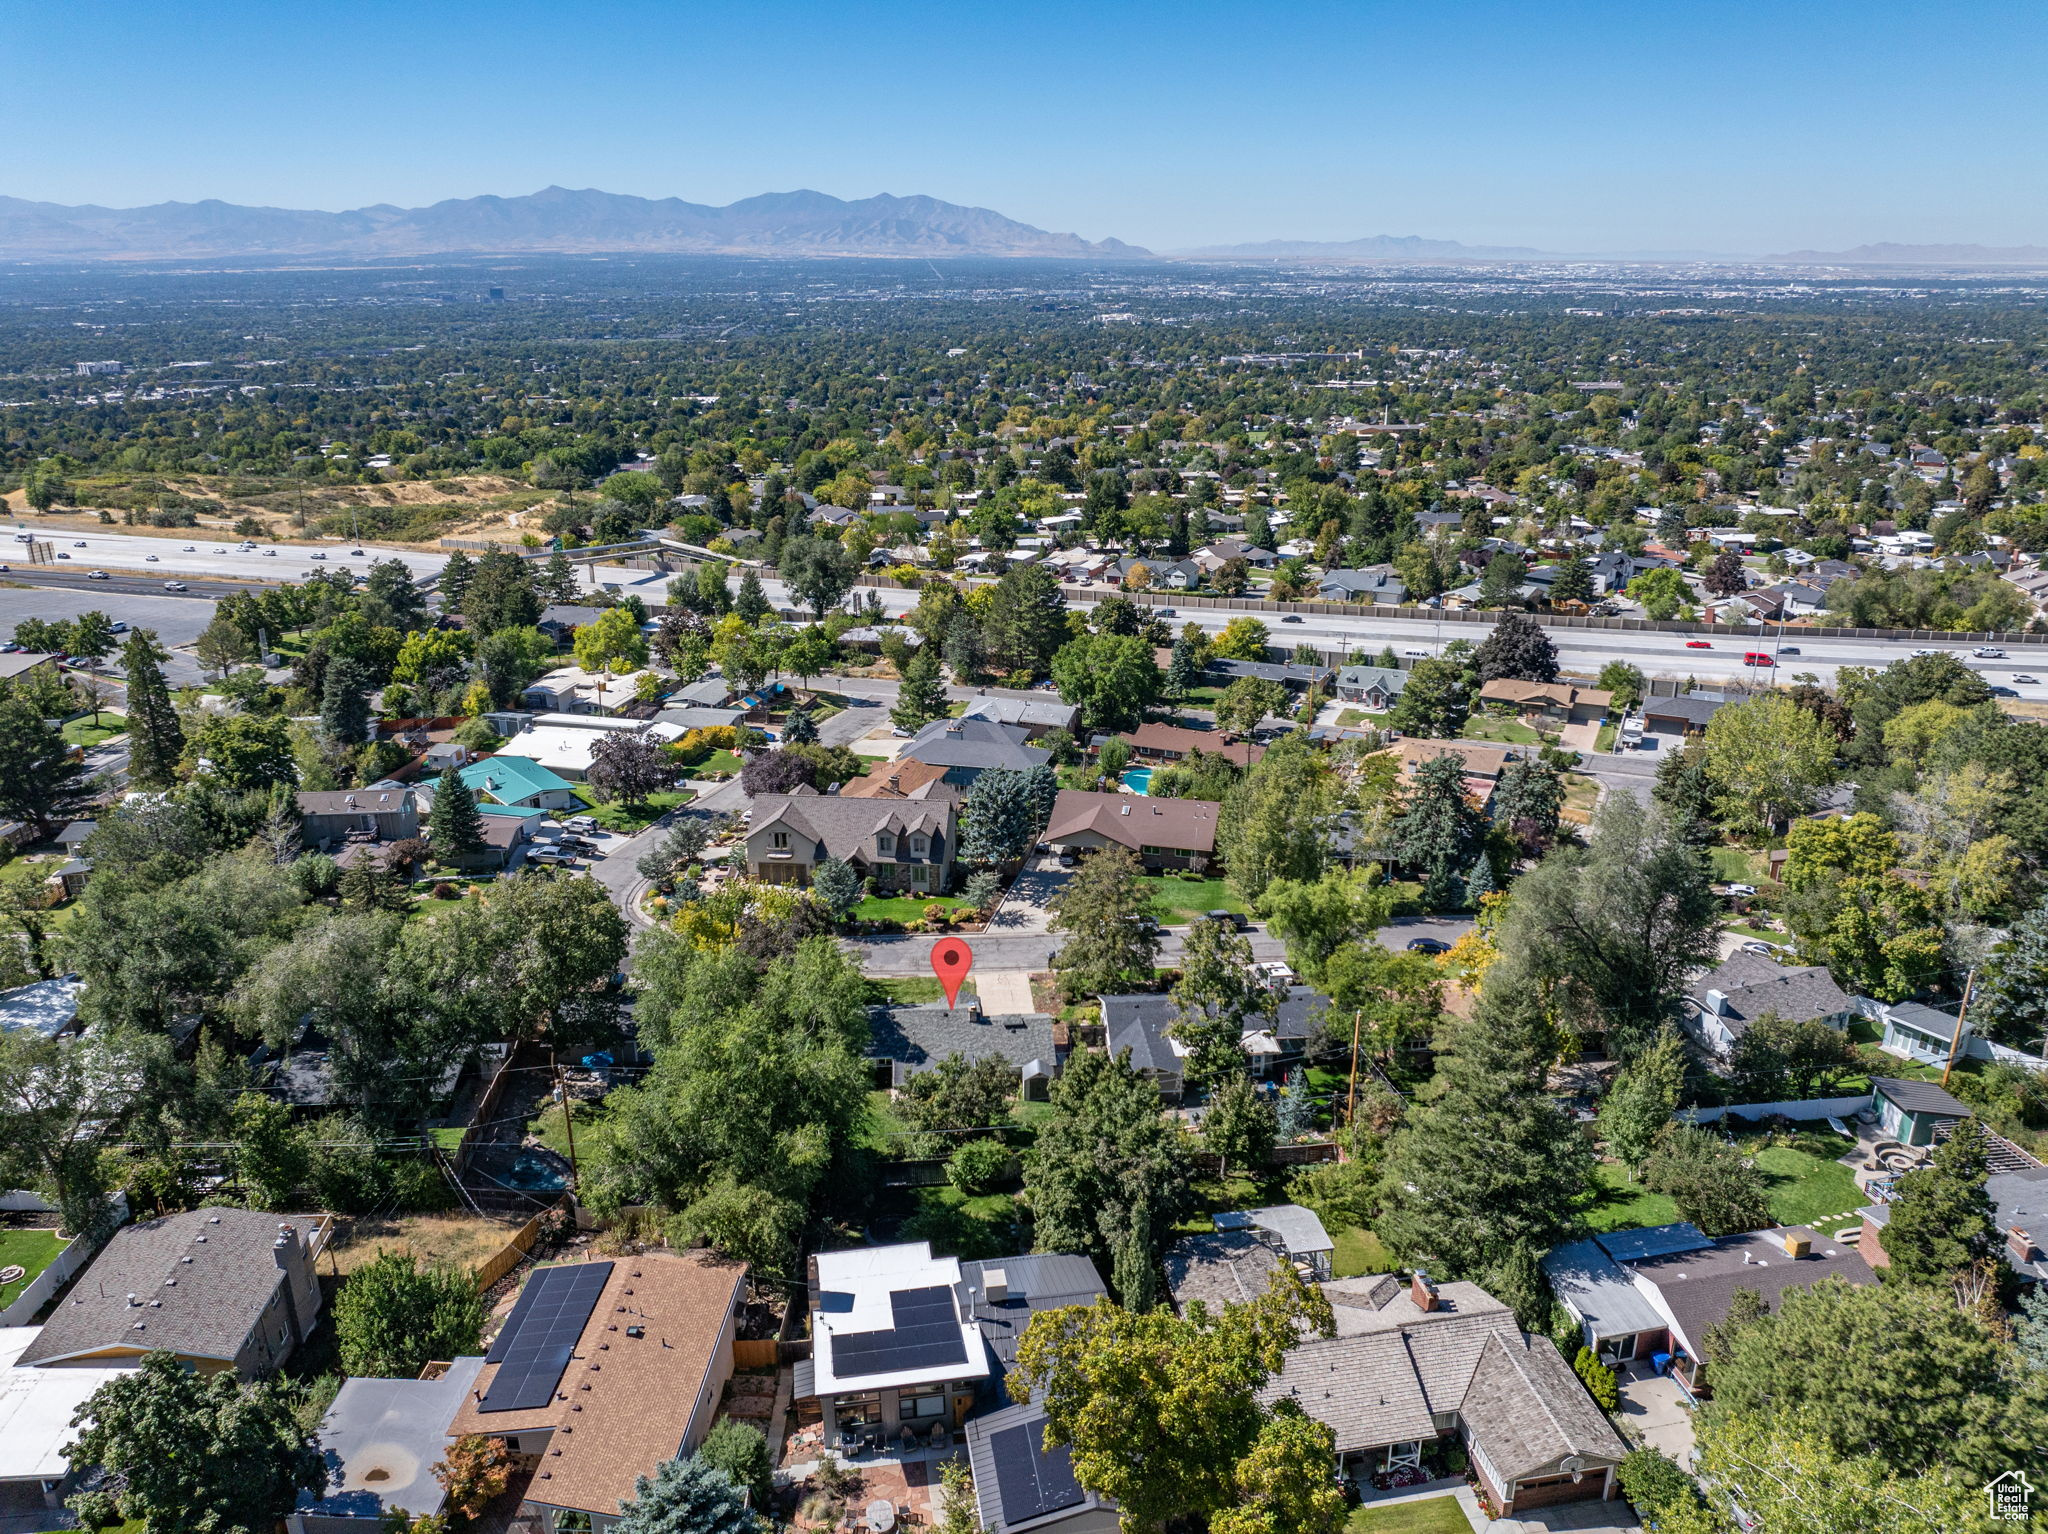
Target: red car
{"points": [[1699, 644]]}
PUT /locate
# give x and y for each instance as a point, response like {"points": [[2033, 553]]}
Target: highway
{"points": [[125, 558]]}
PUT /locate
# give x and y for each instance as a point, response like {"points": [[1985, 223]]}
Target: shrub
{"points": [[978, 1166], [1654, 1484], [1598, 1379], [346, 1173], [476, 1470], [741, 1452], [419, 1188], [392, 1317]]}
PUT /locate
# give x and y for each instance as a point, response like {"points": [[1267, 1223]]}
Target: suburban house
{"points": [[907, 1041], [380, 1439], [1720, 1004], [37, 1407], [902, 780], [2019, 1201], [1221, 1267], [1374, 687], [1554, 703], [605, 1370], [1653, 1292], [968, 747], [1165, 833], [572, 690], [1035, 716], [1915, 1031], [1161, 574], [1482, 765], [1375, 584], [505, 832], [561, 621], [1291, 674], [1417, 1362], [220, 1288], [1137, 1022], [520, 783], [902, 844], [333, 815], [1681, 716], [907, 1348], [1168, 743], [47, 1007], [565, 743], [16, 664]]}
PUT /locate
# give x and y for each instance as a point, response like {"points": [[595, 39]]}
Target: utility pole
{"points": [[1955, 1042], [1351, 1101]]}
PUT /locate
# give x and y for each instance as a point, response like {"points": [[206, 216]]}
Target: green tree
{"points": [[1639, 1105], [836, 883], [1943, 1223], [92, 637], [498, 594], [1793, 1483], [1516, 650], [1161, 1414], [1435, 701], [1218, 998], [1317, 919], [1500, 584], [455, 578], [1107, 1175], [807, 654], [1573, 581], [393, 1317], [1710, 1181], [1437, 828], [222, 645], [1104, 912], [1112, 677], [1239, 1125], [557, 582], [1001, 818], [1626, 682], [57, 1098], [613, 644], [922, 696], [1242, 639], [1662, 592], [39, 782], [1276, 820], [687, 1496], [271, 1155], [960, 1094], [243, 752], [1765, 759], [2011, 999], [741, 1451], [345, 701], [1779, 1059], [751, 604], [1246, 702], [817, 569], [185, 1453], [455, 823]]}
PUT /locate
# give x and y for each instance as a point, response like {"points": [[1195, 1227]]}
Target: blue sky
{"points": [[1737, 126]]}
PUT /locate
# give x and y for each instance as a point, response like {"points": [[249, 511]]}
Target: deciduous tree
{"points": [[1516, 650], [393, 1317], [1111, 943]]}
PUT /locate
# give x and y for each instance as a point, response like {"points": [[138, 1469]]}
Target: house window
{"points": [[917, 873], [780, 841], [885, 843], [861, 1410], [911, 1408], [919, 846]]}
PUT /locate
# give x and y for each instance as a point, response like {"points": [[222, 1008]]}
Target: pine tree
{"points": [[687, 1496], [1479, 881], [345, 701], [2012, 992], [922, 696], [752, 602], [799, 729], [1436, 829], [999, 818], [558, 581], [1943, 1222], [155, 738], [455, 822], [1574, 581], [455, 578], [1295, 1113]]}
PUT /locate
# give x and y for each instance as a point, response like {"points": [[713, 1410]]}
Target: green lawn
{"points": [[907, 990], [551, 1132], [1176, 900], [34, 1250], [1359, 1252], [1604, 741], [1491, 727], [1429, 1515], [989, 1225], [34, 871], [83, 732], [1806, 1184], [905, 908], [726, 762], [616, 817], [1738, 865]]}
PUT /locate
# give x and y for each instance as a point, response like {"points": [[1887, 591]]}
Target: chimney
{"points": [[2019, 1245], [1422, 1291], [1717, 1003], [301, 1288], [1798, 1243]]}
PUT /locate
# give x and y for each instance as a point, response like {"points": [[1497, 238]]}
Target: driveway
{"points": [[1657, 1411], [1631, 772], [1402, 931], [1615, 1517], [1027, 907]]}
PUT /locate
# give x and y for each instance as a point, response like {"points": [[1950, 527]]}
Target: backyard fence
{"points": [[749, 1353], [489, 1271], [67, 1262], [1812, 1110]]}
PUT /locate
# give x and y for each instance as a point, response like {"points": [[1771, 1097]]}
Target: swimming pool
{"points": [[1138, 780]]}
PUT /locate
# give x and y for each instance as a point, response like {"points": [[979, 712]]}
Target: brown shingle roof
{"points": [[1170, 739], [625, 1404], [1528, 1411], [898, 780], [1559, 694], [1134, 820]]}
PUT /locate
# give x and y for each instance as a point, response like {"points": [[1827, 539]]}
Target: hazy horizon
{"points": [[1736, 129]]}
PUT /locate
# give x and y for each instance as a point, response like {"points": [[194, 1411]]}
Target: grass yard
{"points": [[1359, 1252], [903, 908], [1429, 1515], [31, 1250], [616, 817], [1738, 865], [1806, 1184], [987, 1225], [1581, 793], [459, 1240], [549, 1129], [907, 990], [83, 732], [726, 762], [31, 872], [1176, 900], [1604, 741], [1499, 727]]}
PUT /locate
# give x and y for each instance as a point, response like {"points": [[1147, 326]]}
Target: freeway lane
{"points": [[125, 584]]}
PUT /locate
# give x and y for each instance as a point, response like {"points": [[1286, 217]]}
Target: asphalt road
{"points": [[912, 954], [177, 620]]}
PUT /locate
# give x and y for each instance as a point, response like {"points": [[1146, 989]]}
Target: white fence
{"points": [[58, 1273], [1812, 1109]]}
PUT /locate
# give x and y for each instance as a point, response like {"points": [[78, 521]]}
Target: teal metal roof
{"points": [[511, 777]]}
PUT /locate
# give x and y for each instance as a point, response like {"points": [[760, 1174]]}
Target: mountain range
{"points": [[1378, 247], [556, 220], [1922, 255]]}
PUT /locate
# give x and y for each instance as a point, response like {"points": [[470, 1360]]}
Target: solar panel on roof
{"points": [[541, 1334], [1652, 1241], [1031, 1480], [926, 1335]]}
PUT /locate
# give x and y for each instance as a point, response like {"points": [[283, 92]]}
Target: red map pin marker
{"points": [[951, 960]]}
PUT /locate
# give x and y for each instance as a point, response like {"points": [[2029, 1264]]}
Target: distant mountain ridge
{"points": [[1378, 247], [555, 220], [1888, 254]]}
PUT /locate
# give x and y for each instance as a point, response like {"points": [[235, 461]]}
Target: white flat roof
{"points": [[36, 1406], [853, 1296]]}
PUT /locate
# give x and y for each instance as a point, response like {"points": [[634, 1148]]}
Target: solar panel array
{"points": [[926, 1334], [1639, 1245], [1032, 1480], [541, 1334]]}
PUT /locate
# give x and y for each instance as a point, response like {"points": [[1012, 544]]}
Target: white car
{"points": [[188, 549], [97, 575], [317, 554], [1927, 652], [270, 553], [149, 559], [1985, 652], [174, 585], [1742, 889]]}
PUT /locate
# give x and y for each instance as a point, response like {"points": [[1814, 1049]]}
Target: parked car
{"points": [[1067, 858], [118, 626], [1766, 949], [1742, 889], [579, 823], [1230, 919], [549, 855], [1428, 945]]}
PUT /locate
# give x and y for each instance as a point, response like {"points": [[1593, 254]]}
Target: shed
{"points": [[1297, 1229], [1913, 1111]]}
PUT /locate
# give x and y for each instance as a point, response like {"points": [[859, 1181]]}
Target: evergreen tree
{"points": [[1573, 582], [1183, 669], [1218, 998], [558, 581], [455, 579], [1501, 583], [1388, 660], [155, 738], [714, 597], [752, 602], [39, 781], [1111, 945], [1000, 820], [799, 729], [1516, 650], [1435, 701], [457, 826], [687, 1496], [1529, 800], [345, 701], [836, 883], [921, 698], [1479, 882], [1942, 1221], [1686, 794], [2011, 999], [1026, 620], [1436, 829], [1295, 1113]]}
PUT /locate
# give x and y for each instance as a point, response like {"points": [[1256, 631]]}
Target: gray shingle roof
{"points": [[1365, 1387], [974, 743], [1920, 1096], [207, 1313], [1754, 985], [923, 1036], [1139, 1023], [1698, 1286], [1527, 1410], [1225, 1267]]}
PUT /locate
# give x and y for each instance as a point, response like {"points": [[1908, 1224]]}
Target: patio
{"points": [[1656, 1411], [909, 1483]]}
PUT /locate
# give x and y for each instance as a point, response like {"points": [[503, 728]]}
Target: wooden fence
{"points": [[489, 1271], [750, 1354]]}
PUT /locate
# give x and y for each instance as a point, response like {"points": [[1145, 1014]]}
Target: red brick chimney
{"points": [[1422, 1291]]}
